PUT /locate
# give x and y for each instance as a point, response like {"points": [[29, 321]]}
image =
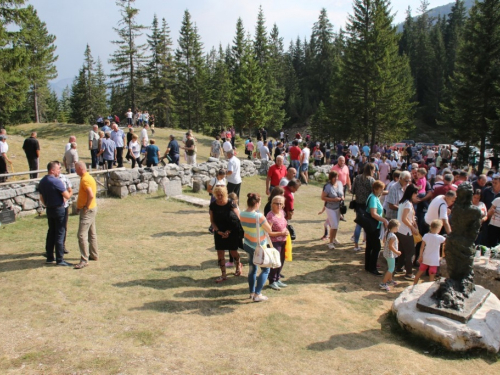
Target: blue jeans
{"points": [[252, 274], [357, 233], [296, 164]]}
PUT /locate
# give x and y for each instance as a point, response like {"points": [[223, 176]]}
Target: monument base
{"points": [[482, 331], [472, 304]]}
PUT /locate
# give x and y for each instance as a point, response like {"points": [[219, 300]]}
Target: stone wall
{"points": [[24, 199]]}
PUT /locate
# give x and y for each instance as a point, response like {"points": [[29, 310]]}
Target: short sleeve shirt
{"points": [[374, 202], [109, 148], [331, 191], [233, 165], [94, 137], [495, 219], [152, 151], [387, 252], [294, 153], [395, 194], [433, 242], [51, 189], [343, 173], [86, 181], [30, 147], [276, 174]]}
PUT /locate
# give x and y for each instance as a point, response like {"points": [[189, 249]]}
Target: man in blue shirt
{"points": [[53, 194], [108, 150], [118, 136], [173, 150]]}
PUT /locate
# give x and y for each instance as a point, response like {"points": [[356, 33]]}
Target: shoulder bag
{"points": [[366, 221], [266, 257]]}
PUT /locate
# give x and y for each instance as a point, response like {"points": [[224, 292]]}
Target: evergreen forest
{"points": [[436, 81]]}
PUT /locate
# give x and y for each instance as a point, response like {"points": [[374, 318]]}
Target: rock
{"points": [[120, 175], [8, 203], [212, 160], [482, 331], [146, 176], [7, 193], [134, 173], [20, 199], [172, 187], [26, 189], [16, 209], [29, 204], [142, 186], [132, 189], [118, 191], [197, 184], [35, 195], [171, 173], [153, 187], [28, 213]]}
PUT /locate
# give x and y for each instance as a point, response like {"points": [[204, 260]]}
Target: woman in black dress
{"points": [[228, 233]]}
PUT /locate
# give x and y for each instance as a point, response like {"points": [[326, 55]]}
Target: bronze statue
{"points": [[465, 222]]}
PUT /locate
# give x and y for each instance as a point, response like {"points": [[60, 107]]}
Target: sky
{"points": [[76, 23]]}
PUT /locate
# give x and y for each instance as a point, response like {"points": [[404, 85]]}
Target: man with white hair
{"points": [[342, 173], [233, 173], [70, 158], [395, 194], [118, 136]]}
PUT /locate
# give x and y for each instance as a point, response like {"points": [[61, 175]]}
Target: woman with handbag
{"points": [[333, 195], [227, 230], [255, 226], [362, 188], [407, 228], [374, 207], [277, 221]]}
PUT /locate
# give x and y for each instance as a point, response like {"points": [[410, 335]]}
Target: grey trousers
{"points": [[87, 234]]}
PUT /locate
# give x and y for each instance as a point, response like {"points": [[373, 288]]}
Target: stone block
{"points": [[213, 160], [20, 199], [153, 187], [35, 195], [171, 173], [28, 213], [141, 191], [154, 172], [197, 185], [30, 204], [7, 193], [16, 209], [120, 175], [118, 191], [132, 189], [146, 176], [142, 186], [8, 203], [134, 173], [172, 187], [26, 189], [482, 331]]}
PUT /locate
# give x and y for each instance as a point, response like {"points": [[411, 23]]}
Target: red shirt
{"points": [[442, 190], [294, 152], [288, 199], [276, 174]]}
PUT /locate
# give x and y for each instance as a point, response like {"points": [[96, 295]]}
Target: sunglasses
{"points": [[279, 204]]}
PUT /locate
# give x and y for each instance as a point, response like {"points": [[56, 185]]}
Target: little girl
{"points": [[390, 253], [421, 182], [429, 256]]}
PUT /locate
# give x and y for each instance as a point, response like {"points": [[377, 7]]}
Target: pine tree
{"points": [[453, 35], [65, 105], [100, 97], [190, 91], [260, 42], [40, 50], [160, 73], [250, 107], [377, 80], [475, 88], [128, 59], [14, 59], [275, 81], [79, 101]]}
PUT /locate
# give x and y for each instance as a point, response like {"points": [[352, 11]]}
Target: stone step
{"points": [[197, 202]]}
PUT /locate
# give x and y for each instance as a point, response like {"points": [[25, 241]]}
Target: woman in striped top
{"points": [[248, 220]]}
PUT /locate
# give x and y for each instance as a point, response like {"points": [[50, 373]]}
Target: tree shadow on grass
{"points": [[201, 307], [190, 267], [19, 256], [174, 233], [349, 341], [19, 265], [213, 293], [179, 282]]}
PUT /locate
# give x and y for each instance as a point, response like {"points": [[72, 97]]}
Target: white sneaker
{"points": [[357, 249], [336, 242], [331, 246]]}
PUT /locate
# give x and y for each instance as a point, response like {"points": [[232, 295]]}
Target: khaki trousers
{"points": [[87, 234]]}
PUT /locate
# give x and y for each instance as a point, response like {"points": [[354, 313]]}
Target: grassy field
{"points": [[150, 304]]}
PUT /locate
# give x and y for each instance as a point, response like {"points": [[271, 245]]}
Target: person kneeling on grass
{"points": [[429, 257], [390, 253]]}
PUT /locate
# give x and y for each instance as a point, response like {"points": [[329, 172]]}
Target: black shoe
{"points": [[376, 273], [65, 264], [211, 230], [282, 276], [66, 252]]}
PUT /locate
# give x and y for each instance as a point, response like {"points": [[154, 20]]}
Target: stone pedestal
{"points": [[481, 331]]}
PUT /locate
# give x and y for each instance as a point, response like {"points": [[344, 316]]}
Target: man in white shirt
{"points": [[144, 139], [118, 136], [264, 153], [233, 175], [438, 209], [354, 150], [227, 146], [304, 162], [93, 145], [129, 116]]}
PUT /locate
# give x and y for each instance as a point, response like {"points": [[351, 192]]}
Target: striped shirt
{"points": [[249, 223]]}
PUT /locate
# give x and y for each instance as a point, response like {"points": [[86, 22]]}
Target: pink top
{"points": [[343, 173], [421, 182], [278, 224]]}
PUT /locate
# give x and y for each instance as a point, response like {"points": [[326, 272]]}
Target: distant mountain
{"points": [[59, 85], [442, 11]]}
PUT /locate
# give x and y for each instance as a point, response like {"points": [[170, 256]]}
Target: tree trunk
{"points": [[35, 100]]}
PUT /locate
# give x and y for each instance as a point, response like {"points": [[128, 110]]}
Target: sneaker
{"points": [[384, 287], [393, 283], [352, 239], [331, 246], [324, 238], [410, 277], [260, 298], [399, 272], [274, 286], [280, 284], [229, 264], [357, 249], [336, 242]]}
